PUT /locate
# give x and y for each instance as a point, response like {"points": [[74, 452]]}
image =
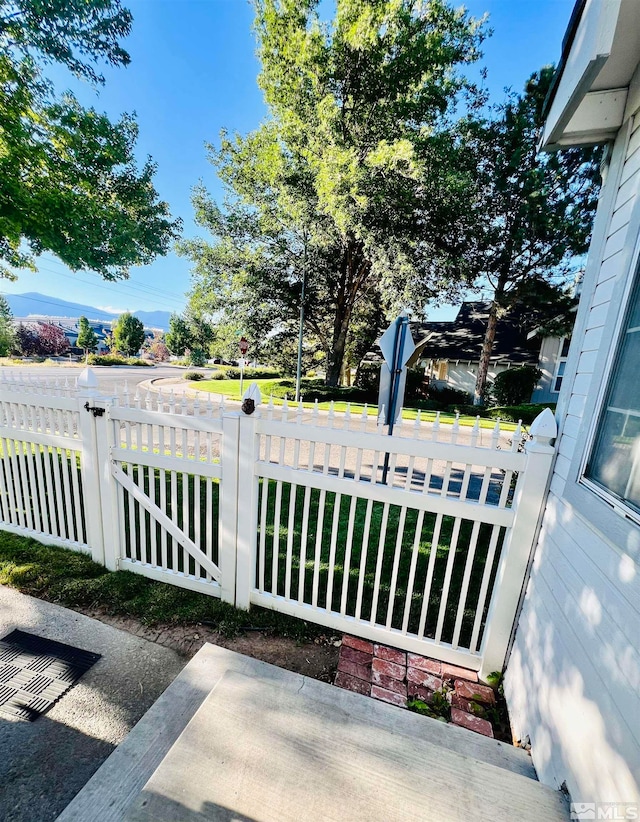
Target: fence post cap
{"points": [[87, 381], [544, 428]]}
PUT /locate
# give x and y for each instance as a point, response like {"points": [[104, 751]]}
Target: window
{"points": [[563, 353], [614, 464], [442, 370]]}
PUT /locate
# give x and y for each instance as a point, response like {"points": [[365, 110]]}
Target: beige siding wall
{"points": [[573, 679]]}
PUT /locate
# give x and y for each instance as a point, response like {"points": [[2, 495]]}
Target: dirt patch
{"points": [[317, 659]]}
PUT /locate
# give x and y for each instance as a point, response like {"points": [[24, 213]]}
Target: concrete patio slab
{"points": [[43, 764], [266, 744]]}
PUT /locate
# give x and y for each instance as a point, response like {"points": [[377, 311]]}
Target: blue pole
{"points": [[396, 371]]}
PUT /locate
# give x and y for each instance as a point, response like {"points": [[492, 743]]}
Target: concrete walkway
{"points": [[43, 764]]}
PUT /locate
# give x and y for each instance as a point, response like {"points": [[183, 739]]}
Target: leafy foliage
{"points": [[128, 334], [531, 213], [353, 188], [515, 385], [40, 340], [87, 339], [7, 331], [70, 183]]}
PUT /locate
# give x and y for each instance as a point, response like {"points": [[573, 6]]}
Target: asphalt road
{"points": [[110, 378]]}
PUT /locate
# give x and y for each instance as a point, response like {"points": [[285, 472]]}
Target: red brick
{"points": [[355, 656], [473, 723], [390, 669], [388, 696], [423, 678], [351, 683], [423, 663], [357, 643], [390, 654], [420, 692], [389, 683], [453, 672], [458, 701], [353, 669], [469, 690]]}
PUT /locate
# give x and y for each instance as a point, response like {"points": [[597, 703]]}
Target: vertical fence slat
{"points": [[379, 558], [484, 588], [412, 571], [453, 545], [363, 557], [473, 543], [396, 565], [347, 555], [306, 504], [426, 597]]}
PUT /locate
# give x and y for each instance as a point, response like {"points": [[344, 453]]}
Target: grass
{"points": [[231, 390], [72, 579]]}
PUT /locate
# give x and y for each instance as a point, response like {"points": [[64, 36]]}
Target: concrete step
{"points": [[266, 744]]}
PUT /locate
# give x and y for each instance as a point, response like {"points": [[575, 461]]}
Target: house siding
{"points": [[573, 678]]}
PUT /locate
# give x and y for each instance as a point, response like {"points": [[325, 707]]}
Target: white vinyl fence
{"points": [[288, 509]]}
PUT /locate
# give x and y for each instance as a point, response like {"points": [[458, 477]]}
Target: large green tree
{"points": [[87, 337], [531, 214], [69, 182], [7, 331], [128, 334], [353, 184]]}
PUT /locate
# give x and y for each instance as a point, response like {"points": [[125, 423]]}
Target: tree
{"points": [[70, 183], [52, 341], [128, 334], [157, 347], [7, 331], [87, 339], [353, 185], [532, 213], [26, 341], [178, 338]]}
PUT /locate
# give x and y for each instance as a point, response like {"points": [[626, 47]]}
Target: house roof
{"points": [[461, 339]]}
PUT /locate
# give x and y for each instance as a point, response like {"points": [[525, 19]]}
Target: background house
{"points": [[450, 351], [573, 679]]}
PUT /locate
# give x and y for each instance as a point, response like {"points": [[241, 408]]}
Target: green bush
{"points": [[368, 380], [198, 358], [115, 359], [448, 397], [251, 373], [194, 376], [515, 385], [217, 375], [527, 412]]}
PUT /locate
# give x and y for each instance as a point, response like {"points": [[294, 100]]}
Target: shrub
{"points": [[447, 396], [252, 373], [218, 375], [115, 359], [198, 358], [194, 376], [515, 385], [527, 412]]}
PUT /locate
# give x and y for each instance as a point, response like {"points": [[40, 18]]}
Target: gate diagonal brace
{"points": [[190, 547]]}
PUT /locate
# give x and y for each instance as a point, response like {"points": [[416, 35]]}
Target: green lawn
{"points": [[231, 390]]}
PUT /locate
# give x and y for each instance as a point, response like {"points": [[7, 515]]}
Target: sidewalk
{"points": [[43, 764]]}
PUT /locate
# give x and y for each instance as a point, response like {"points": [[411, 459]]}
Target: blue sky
{"points": [[193, 71]]}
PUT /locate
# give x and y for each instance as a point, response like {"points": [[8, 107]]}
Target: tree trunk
{"points": [[336, 355], [487, 348]]}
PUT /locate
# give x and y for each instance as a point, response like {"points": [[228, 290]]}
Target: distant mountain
{"points": [[26, 305]]}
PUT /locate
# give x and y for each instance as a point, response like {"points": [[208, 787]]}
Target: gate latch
{"points": [[97, 412]]}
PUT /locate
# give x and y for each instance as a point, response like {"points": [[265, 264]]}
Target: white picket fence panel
{"points": [[286, 508]]}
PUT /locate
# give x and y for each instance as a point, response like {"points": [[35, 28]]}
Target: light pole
{"points": [[301, 329]]}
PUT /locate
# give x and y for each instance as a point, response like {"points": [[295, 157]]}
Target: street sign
{"points": [[397, 347], [243, 344]]}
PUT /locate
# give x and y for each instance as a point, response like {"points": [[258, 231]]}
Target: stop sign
{"points": [[244, 345]]}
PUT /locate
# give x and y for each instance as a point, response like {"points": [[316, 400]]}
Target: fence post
{"points": [[228, 524], [530, 498], [95, 467], [90, 469], [247, 510]]}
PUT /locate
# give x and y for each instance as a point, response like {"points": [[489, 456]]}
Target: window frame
{"points": [[560, 360], [615, 520]]}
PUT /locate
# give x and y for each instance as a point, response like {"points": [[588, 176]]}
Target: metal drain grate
{"points": [[36, 672]]}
